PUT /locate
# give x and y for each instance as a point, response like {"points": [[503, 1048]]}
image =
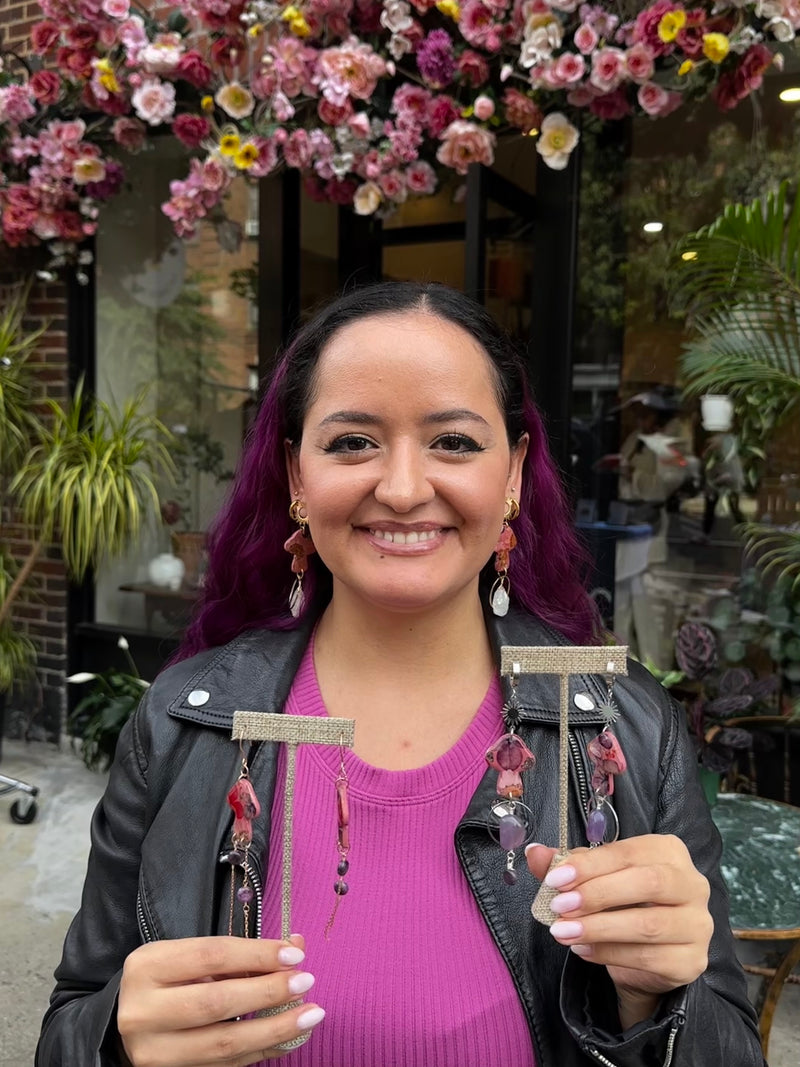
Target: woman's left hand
{"points": [[639, 907]]}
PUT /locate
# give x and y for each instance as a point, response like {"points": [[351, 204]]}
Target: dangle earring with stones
{"points": [[509, 819], [244, 803], [340, 887], [499, 597], [301, 547], [608, 760]]}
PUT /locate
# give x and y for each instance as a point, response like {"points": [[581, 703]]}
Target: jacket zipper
{"points": [[580, 768], [679, 1018], [144, 927], [255, 880]]}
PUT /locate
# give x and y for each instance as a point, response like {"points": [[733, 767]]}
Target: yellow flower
{"points": [[671, 25], [715, 46], [207, 103], [299, 26], [107, 77], [229, 144], [256, 31], [685, 67], [467, 112], [450, 8], [245, 157]]}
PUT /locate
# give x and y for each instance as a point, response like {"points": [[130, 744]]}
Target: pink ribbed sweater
{"points": [[410, 976]]}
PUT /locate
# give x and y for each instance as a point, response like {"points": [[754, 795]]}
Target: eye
{"points": [[349, 444], [457, 443]]}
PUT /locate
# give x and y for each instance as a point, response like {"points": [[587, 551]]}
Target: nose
{"points": [[404, 483]]}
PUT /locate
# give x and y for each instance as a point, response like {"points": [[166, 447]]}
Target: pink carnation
{"points": [[420, 178], [297, 150], [267, 157], [464, 143], [442, 112], [154, 101], [411, 102], [16, 104]]}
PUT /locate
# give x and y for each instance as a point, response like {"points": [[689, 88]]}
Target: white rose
{"points": [[396, 16], [556, 140], [367, 199], [782, 29]]}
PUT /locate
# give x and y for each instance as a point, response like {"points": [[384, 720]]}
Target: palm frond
{"points": [[776, 551]]}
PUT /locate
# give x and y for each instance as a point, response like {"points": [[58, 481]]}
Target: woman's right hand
{"points": [[179, 1001]]}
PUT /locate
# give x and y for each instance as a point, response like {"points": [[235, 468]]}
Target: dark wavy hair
{"points": [[248, 579]]}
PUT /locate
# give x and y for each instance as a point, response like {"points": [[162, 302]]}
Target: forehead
{"points": [[415, 353]]}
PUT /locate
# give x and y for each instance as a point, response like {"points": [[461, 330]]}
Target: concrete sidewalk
{"points": [[43, 867]]}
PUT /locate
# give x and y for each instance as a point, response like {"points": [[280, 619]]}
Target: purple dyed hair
{"points": [[248, 578]]}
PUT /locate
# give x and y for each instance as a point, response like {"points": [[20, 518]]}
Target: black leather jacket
{"points": [[159, 829]]}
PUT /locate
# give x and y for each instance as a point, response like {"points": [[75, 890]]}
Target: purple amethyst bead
{"points": [[596, 826], [510, 876], [244, 895], [342, 868], [511, 832], [341, 888], [234, 857]]}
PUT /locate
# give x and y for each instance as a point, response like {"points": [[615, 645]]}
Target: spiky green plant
{"points": [[738, 280], [17, 423], [83, 477]]}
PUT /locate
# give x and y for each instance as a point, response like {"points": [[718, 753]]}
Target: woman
{"points": [[398, 428]]}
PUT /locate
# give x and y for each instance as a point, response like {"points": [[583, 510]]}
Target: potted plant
{"points": [[82, 476]]}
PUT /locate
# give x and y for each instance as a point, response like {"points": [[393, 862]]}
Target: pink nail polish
{"points": [[565, 902], [291, 956], [300, 983], [560, 876], [310, 1018], [533, 844], [581, 950], [566, 930]]}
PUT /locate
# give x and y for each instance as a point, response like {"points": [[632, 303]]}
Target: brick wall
{"points": [[41, 611]]}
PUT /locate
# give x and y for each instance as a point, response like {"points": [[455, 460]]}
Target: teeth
{"points": [[397, 538]]}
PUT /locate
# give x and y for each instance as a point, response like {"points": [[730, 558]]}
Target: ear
{"points": [[518, 454], [293, 468]]}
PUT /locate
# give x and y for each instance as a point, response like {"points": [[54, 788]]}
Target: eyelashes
{"points": [[357, 444]]}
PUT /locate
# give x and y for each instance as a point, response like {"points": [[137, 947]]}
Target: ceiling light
{"points": [[790, 96], [653, 227]]}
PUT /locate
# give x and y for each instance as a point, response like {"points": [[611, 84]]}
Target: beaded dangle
{"points": [[300, 546], [608, 760], [340, 887], [500, 593], [244, 803], [510, 820]]}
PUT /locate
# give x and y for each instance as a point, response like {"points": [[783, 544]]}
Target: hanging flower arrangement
{"points": [[370, 101]]}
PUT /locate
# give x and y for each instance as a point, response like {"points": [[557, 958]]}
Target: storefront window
{"points": [[177, 319]]}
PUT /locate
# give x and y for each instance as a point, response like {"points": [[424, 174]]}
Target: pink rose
{"points": [[639, 63], [297, 150], [154, 101], [464, 143], [45, 86], [420, 178], [267, 157], [393, 186], [608, 69], [334, 114], [443, 111], [191, 130], [645, 28], [117, 9], [193, 69], [213, 176], [586, 39], [129, 133], [473, 68], [570, 68], [483, 108], [652, 98], [359, 125], [44, 37]]}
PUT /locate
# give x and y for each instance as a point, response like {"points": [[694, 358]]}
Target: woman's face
{"points": [[404, 464]]}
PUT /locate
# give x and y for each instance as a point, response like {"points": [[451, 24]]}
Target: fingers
{"points": [[192, 958], [635, 926], [232, 1044], [183, 1007]]}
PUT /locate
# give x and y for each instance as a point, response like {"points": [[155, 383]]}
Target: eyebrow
{"points": [[436, 418]]}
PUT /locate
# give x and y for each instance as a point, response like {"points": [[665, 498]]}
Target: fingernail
{"points": [[560, 876], [533, 844], [581, 950], [300, 983], [310, 1018], [565, 902], [566, 930], [291, 956]]}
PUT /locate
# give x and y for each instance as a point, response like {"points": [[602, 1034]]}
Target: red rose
{"points": [[756, 60], [191, 130], [341, 192], [442, 111], [45, 86], [78, 64], [611, 105], [194, 69], [334, 114], [82, 36], [726, 92], [70, 226], [44, 36], [473, 68]]}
